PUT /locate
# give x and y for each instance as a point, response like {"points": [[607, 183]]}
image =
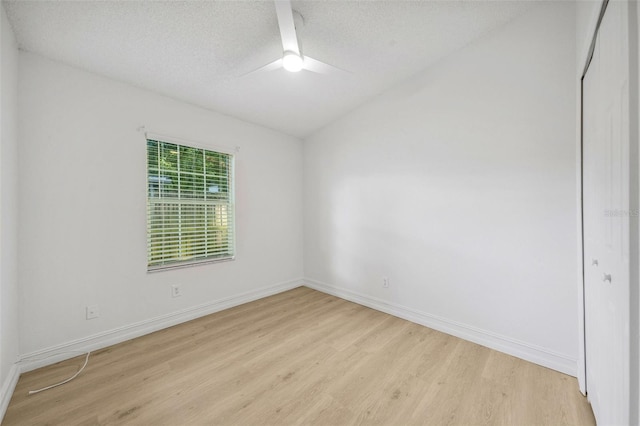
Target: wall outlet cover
{"points": [[176, 290], [93, 311]]}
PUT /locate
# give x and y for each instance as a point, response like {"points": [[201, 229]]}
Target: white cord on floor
{"points": [[86, 361]]}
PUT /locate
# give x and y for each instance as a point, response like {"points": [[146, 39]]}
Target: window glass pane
{"points": [[152, 155], [214, 162], [191, 159], [217, 188], [168, 183], [168, 156]]}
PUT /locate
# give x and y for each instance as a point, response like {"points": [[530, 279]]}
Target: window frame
{"points": [[178, 264]]}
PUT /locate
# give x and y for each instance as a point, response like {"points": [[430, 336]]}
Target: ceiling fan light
{"points": [[292, 62]]}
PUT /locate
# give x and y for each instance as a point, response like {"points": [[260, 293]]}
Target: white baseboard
{"points": [[536, 354], [8, 386], [57, 353]]}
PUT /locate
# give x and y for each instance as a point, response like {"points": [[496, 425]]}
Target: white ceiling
{"points": [[198, 51]]}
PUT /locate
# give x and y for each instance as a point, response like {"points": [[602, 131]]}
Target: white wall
{"points": [[83, 208], [8, 210], [460, 187]]}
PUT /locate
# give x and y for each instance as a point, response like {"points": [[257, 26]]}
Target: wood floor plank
{"points": [[299, 357]]}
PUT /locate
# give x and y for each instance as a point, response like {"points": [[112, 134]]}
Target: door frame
{"points": [[634, 206]]}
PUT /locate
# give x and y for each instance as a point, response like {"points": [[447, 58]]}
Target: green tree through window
{"points": [[189, 205]]}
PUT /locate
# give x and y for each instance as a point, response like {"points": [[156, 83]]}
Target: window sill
{"points": [[189, 264]]}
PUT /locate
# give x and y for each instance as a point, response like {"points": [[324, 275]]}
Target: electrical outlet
{"points": [[93, 311], [176, 290], [385, 282]]}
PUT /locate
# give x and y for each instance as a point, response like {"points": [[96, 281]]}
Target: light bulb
{"points": [[292, 62]]}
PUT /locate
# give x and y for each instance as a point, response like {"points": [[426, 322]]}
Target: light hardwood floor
{"points": [[299, 357]]}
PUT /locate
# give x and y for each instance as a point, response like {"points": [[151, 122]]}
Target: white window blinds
{"points": [[190, 212]]}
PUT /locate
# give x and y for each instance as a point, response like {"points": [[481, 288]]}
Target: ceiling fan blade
{"points": [[320, 67], [287, 26], [271, 66]]}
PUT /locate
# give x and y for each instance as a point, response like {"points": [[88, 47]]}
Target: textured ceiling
{"points": [[198, 51]]}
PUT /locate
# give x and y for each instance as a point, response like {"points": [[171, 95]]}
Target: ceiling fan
{"points": [[292, 58]]}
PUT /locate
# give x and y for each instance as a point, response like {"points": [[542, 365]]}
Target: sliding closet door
{"points": [[606, 219]]}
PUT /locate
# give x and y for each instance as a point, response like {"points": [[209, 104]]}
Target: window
{"points": [[190, 214]]}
